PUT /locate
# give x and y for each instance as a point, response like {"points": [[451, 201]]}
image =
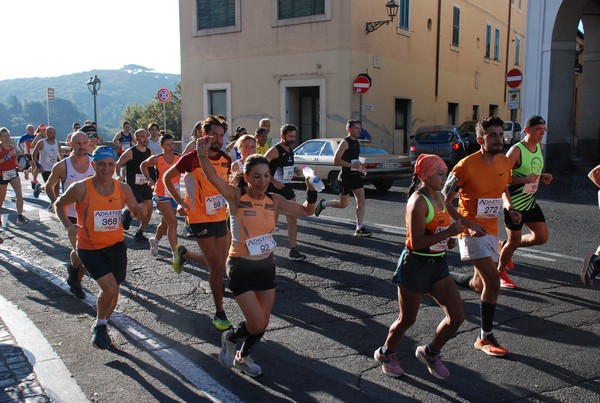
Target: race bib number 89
{"points": [[489, 208], [214, 204]]}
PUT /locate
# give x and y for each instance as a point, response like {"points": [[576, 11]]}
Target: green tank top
{"points": [[523, 196]]}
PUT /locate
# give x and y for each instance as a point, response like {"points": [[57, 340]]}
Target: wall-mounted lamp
{"points": [[392, 11]]}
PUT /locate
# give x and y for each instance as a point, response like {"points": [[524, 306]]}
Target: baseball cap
{"points": [[534, 121]]}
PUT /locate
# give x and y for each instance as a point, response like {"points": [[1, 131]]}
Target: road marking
{"points": [[51, 371], [206, 385]]}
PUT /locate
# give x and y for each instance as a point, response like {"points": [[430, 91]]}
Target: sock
{"points": [[239, 333], [324, 203], [487, 316], [101, 321], [249, 343], [358, 227], [383, 350], [430, 351], [485, 334]]}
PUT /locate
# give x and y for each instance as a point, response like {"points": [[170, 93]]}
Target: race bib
{"points": [[51, 159], [531, 188], [177, 190], [140, 179], [214, 204], [107, 220], [352, 162], [288, 173], [125, 146], [441, 245], [261, 245], [489, 208], [8, 175]]}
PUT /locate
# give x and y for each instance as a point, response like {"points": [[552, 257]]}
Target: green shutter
{"points": [[215, 13]]}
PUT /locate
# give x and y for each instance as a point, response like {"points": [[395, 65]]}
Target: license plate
{"points": [[390, 165]]}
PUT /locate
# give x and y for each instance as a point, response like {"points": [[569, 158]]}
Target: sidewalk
{"points": [[18, 382]]}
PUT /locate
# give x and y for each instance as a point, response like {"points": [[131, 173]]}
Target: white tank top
{"points": [[72, 176], [48, 156]]}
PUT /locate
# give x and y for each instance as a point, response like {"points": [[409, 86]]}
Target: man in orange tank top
{"points": [[100, 238]]}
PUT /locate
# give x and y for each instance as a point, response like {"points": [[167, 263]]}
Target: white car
{"points": [[382, 167]]}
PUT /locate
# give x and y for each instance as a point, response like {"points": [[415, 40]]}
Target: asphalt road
{"points": [[331, 312]]}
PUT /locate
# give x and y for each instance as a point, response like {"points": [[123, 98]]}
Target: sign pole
{"points": [[48, 108], [360, 107], [164, 116]]}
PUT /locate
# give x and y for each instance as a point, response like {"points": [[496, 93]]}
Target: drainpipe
{"points": [[437, 50], [507, 53]]}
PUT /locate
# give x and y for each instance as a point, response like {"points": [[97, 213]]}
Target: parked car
{"points": [[468, 130], [382, 167], [447, 142], [512, 132]]}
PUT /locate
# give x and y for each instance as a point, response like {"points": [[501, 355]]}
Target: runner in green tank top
{"points": [[527, 172]]}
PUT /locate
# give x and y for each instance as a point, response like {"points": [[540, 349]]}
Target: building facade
{"points": [[561, 81], [295, 61]]}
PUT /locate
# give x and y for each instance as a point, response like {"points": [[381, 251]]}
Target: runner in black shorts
{"points": [[351, 177]]}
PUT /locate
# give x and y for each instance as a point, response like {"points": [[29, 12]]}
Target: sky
{"points": [[47, 38]]}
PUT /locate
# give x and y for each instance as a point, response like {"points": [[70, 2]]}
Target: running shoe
{"points": [[21, 219], [389, 364], [228, 350], [319, 207], [363, 232], [221, 322], [295, 255], [179, 261], [247, 365], [591, 269], [140, 237], [37, 190], [100, 337], [510, 265], [126, 219], [505, 281], [434, 364], [153, 246], [33, 184], [490, 346]]}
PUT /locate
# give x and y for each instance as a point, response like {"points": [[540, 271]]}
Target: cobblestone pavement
{"points": [[18, 382]]}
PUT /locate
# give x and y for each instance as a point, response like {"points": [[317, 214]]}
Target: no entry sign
{"points": [[514, 78], [361, 84]]}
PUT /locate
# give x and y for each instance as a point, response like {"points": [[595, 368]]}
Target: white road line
{"points": [[207, 385], [51, 371]]}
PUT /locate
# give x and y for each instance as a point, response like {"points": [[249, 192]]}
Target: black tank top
{"points": [[351, 153], [133, 165], [285, 159]]}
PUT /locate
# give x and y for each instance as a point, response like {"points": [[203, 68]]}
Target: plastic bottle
{"points": [[315, 180]]}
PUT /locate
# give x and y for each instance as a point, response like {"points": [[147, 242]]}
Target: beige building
{"points": [[295, 61]]}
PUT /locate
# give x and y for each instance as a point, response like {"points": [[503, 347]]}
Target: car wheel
{"points": [[383, 185], [334, 184]]}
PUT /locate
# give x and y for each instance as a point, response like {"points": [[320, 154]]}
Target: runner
{"points": [[76, 167], [9, 174], [422, 268], [351, 177], [205, 210], [527, 163], [281, 163], [124, 139], [154, 143], [246, 145], [164, 202], [250, 265], [481, 180], [591, 263], [45, 154], [132, 159], [100, 237], [25, 144]]}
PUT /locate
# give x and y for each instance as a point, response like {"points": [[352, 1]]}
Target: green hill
{"points": [[23, 100]]}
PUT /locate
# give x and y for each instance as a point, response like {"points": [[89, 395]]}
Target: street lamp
{"points": [[392, 11], [93, 85]]}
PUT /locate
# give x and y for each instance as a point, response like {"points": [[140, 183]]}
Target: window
{"points": [[518, 50], [217, 99], [300, 8], [452, 113], [488, 40], [217, 16], [403, 15], [497, 45], [475, 115], [455, 26]]}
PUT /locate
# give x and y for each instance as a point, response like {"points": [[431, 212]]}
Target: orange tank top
{"points": [[252, 226], [437, 220], [99, 217], [163, 166], [208, 205]]}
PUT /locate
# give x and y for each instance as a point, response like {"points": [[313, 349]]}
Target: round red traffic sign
{"points": [[163, 95], [514, 78], [361, 85]]}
